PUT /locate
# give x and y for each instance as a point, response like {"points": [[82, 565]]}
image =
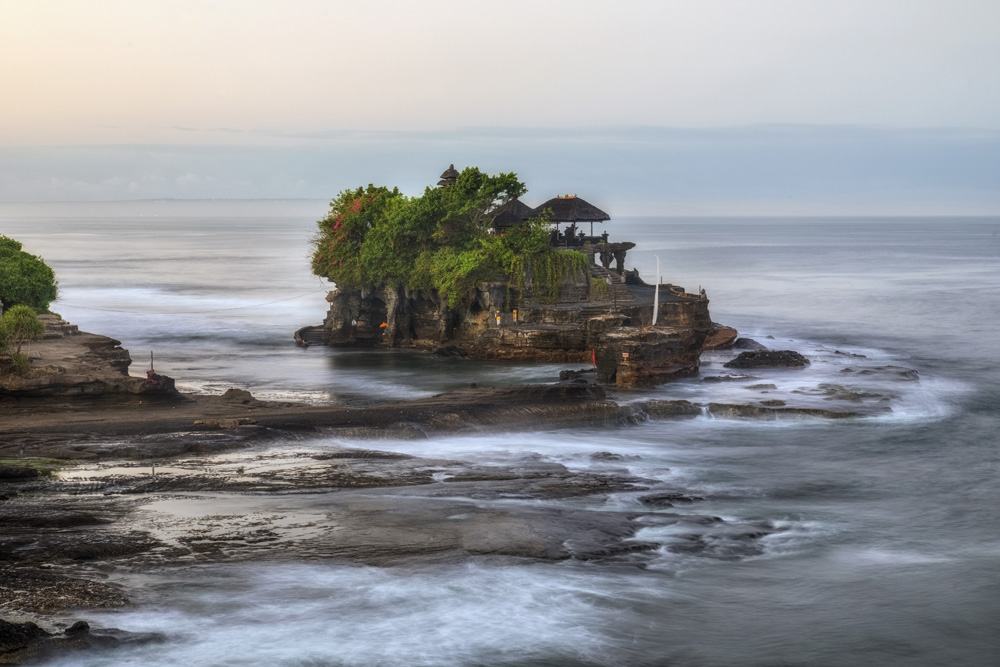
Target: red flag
{"points": [[595, 358]]}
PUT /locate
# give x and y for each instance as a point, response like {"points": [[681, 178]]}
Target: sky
{"points": [[694, 106]]}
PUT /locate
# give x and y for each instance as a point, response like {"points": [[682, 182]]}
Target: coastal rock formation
{"points": [[748, 344], [720, 337], [597, 317], [26, 643], [768, 359], [69, 362], [736, 411]]}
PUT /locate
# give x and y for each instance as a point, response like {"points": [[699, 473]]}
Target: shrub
{"points": [[19, 364], [19, 325]]}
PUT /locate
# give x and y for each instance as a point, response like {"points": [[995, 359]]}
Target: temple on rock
{"points": [[603, 314]]}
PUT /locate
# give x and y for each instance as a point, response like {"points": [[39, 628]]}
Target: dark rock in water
{"points": [[762, 386], [15, 637], [608, 456], [78, 628], [727, 378], [748, 344], [768, 359], [734, 411], [896, 372], [836, 392], [582, 375], [668, 498], [26, 643], [668, 409], [720, 337], [850, 354], [773, 403]]}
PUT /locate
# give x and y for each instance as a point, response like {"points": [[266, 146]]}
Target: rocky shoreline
{"points": [[98, 484]]}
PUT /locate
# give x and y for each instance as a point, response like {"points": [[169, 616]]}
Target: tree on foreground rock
{"points": [[19, 325]]}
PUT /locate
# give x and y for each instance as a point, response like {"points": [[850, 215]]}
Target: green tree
{"points": [[375, 237], [19, 325], [24, 278]]}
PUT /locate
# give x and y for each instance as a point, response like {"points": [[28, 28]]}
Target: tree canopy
{"points": [[25, 280], [375, 237]]}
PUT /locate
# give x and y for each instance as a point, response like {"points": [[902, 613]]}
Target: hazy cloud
{"points": [[760, 169]]}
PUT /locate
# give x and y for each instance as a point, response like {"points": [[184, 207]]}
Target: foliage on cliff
{"points": [[375, 237], [24, 278]]}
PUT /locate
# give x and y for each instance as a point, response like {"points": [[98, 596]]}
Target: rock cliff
{"points": [[598, 316], [69, 362]]}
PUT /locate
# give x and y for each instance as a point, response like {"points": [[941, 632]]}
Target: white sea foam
{"points": [[340, 615]]}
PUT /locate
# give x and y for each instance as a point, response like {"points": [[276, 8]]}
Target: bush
{"points": [[19, 325], [25, 280], [19, 364]]}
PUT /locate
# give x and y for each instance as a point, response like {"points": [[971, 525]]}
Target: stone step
{"points": [[315, 335], [600, 273]]}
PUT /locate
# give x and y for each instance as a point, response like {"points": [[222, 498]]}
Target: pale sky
{"points": [[307, 74], [101, 71]]}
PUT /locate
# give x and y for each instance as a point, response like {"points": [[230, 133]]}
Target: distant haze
{"points": [[716, 106]]}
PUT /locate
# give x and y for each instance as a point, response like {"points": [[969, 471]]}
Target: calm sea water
{"points": [[889, 552]]}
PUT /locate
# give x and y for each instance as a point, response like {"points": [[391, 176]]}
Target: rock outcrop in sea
{"points": [[603, 316]]}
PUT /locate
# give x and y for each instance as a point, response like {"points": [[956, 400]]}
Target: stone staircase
{"points": [[313, 335], [620, 292], [57, 327]]}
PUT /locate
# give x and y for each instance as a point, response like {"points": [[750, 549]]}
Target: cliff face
{"points": [[68, 362], [609, 325]]}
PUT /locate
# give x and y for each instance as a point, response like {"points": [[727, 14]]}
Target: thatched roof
{"points": [[572, 209], [449, 176], [512, 213]]}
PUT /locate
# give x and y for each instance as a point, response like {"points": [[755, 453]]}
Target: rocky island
{"points": [[480, 274]]}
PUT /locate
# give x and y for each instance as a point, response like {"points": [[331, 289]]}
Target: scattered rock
{"points": [[669, 409], [610, 456], [78, 628], [16, 637], [773, 403], [668, 499], [768, 359], [836, 392], [735, 411], [720, 337], [241, 396], [727, 378], [897, 372], [748, 344], [26, 643], [762, 386], [582, 375]]}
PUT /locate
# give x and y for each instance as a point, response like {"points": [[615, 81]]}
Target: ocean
{"points": [[887, 542]]}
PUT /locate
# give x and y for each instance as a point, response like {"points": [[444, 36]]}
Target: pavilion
{"points": [[572, 209]]}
